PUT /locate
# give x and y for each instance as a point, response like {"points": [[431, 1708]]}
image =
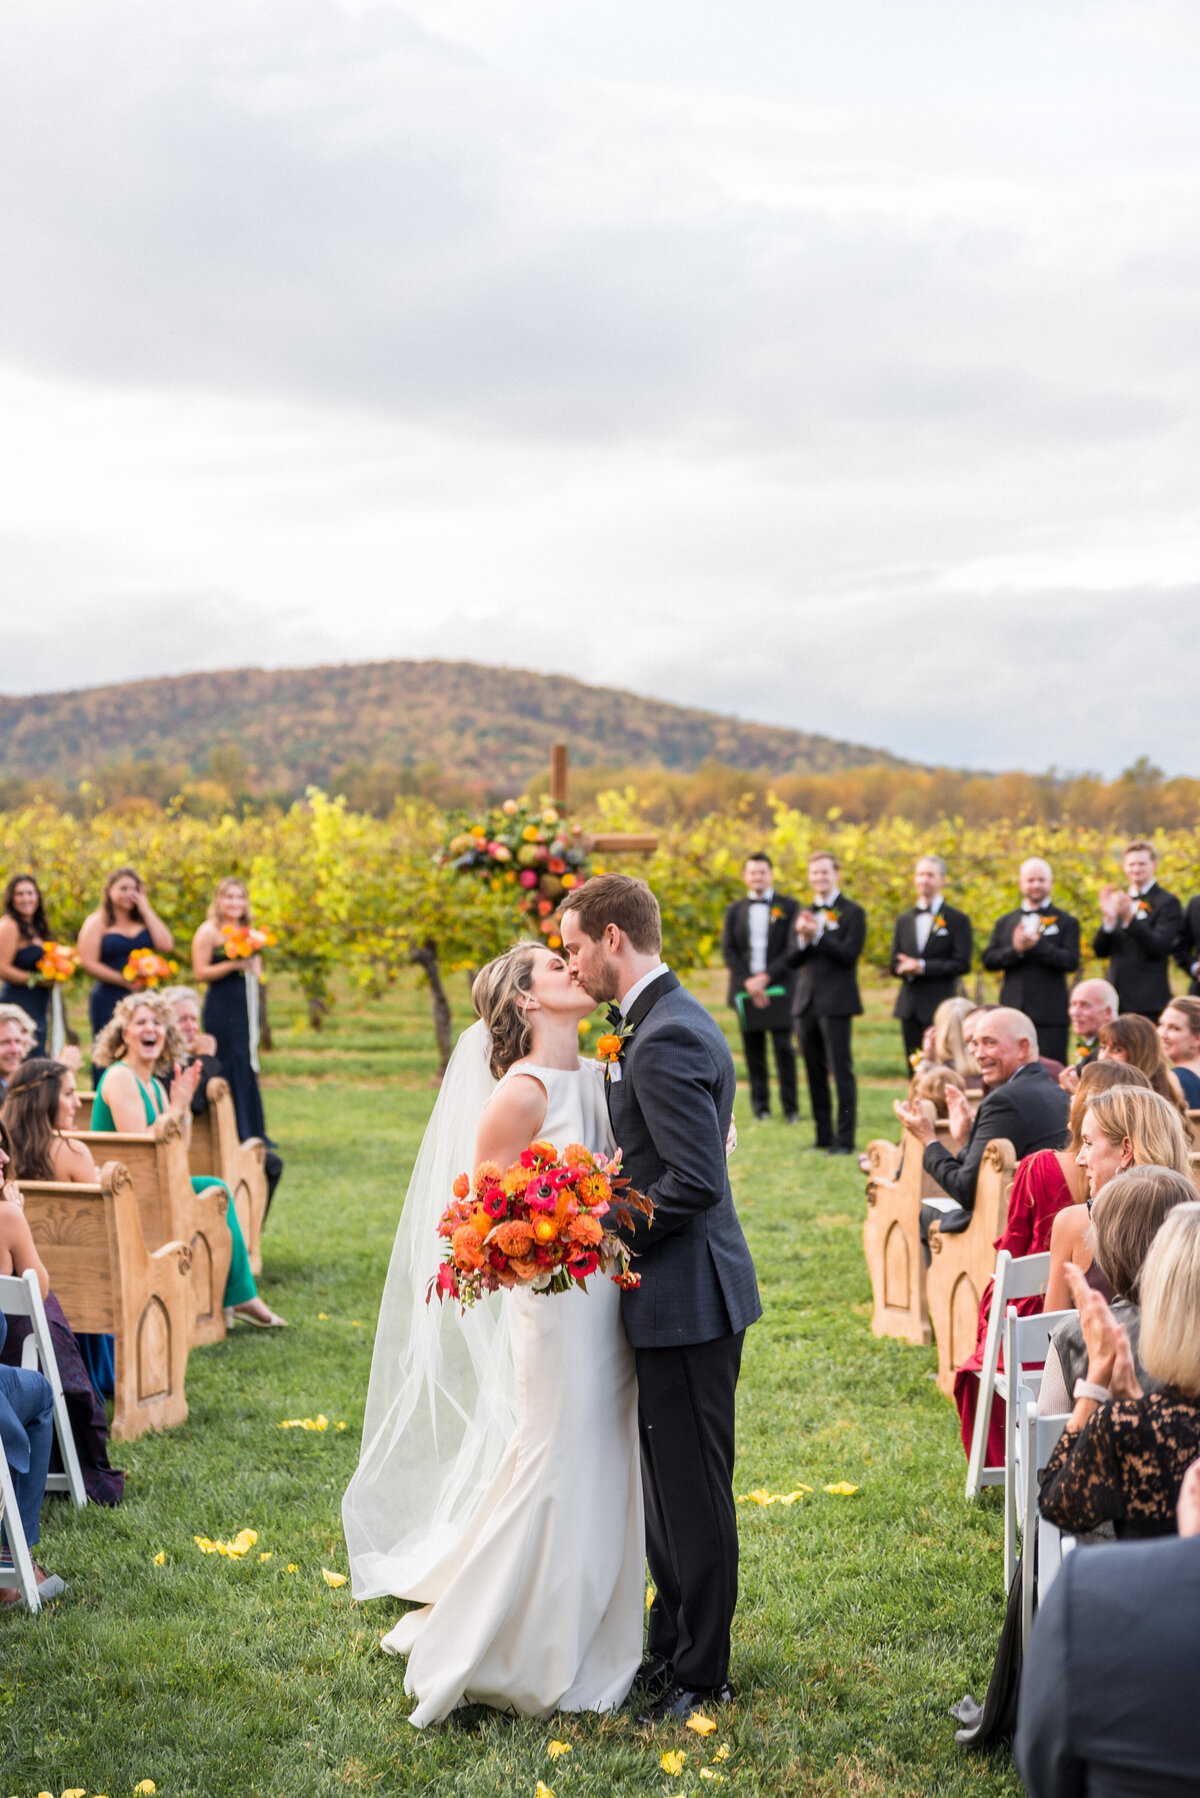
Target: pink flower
{"points": [[528, 878]]}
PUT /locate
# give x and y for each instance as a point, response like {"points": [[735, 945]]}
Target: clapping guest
{"points": [[1179, 1034], [1122, 1128], [23, 930], [200, 1047], [1140, 926], [1134, 1040], [16, 1040], [1036, 948], [1122, 1455], [40, 1106], [830, 935], [1092, 1003], [756, 942], [124, 921], [931, 951]]}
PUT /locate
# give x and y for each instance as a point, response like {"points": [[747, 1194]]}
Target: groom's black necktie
{"points": [[614, 1016]]}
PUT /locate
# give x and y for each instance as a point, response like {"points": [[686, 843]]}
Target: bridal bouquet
{"points": [[59, 963], [241, 941], [538, 1225], [146, 968]]}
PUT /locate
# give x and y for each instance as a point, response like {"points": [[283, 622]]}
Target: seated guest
{"points": [[1092, 1003], [130, 1098], [949, 1043], [1124, 1127], [1134, 1040], [26, 1432], [1036, 948], [16, 1040], [200, 1047], [1140, 926], [1126, 1217], [23, 932], [1107, 1703], [1122, 1456], [34, 1110], [1020, 1102], [1043, 1185], [1179, 1034]]}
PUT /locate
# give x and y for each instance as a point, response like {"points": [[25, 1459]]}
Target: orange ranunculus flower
{"points": [[480, 1222], [585, 1229], [545, 1230], [486, 1174], [608, 1048], [516, 1179], [461, 1187], [543, 1150], [468, 1247], [514, 1239], [575, 1155], [525, 1270]]}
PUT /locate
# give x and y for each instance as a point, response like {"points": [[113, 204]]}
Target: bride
{"points": [[498, 1483]]}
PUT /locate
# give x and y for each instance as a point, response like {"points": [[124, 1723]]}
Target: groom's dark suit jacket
{"points": [[670, 1114]]}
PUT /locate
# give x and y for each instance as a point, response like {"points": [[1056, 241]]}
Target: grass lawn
{"points": [[861, 1618]]}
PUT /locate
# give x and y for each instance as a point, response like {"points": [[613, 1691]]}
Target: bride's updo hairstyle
{"points": [[494, 995]]}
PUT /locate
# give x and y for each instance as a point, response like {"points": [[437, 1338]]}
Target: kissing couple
{"points": [[521, 1462]]}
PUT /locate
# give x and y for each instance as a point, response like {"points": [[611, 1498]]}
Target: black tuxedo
{"points": [[947, 957], [670, 1114], [1187, 949], [1036, 982], [826, 998], [735, 949], [1140, 953], [1030, 1109]]}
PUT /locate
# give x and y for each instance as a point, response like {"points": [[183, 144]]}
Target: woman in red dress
{"points": [[1043, 1185]]}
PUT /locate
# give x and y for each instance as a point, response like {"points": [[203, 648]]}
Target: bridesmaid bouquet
{"points": [[59, 963], [241, 941], [538, 1225], [146, 968]]}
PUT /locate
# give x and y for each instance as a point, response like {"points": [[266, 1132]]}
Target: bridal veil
{"points": [[440, 1405]]}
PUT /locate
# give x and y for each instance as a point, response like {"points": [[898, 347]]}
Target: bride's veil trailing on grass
{"points": [[440, 1406]]}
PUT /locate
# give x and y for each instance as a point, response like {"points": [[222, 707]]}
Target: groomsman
{"points": [[1093, 1004], [756, 941], [931, 951], [1036, 948], [1187, 950], [830, 935], [1139, 929]]}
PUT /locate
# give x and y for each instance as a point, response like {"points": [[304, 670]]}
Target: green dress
{"points": [[239, 1287]]}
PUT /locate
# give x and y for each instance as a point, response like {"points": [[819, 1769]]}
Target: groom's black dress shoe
{"points": [[652, 1677], [681, 1702]]}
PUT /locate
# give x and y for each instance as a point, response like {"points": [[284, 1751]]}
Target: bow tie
{"points": [[1032, 911], [757, 899], [614, 1016], [924, 908], [818, 905]]}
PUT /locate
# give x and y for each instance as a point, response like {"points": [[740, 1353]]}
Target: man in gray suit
{"points": [[670, 1098]]}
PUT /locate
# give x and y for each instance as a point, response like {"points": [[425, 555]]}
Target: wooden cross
{"points": [[612, 842]]}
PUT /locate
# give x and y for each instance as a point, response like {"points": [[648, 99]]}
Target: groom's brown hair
{"points": [[618, 899]]}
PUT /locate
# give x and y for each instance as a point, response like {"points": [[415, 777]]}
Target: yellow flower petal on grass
{"points": [[649, 1596], [843, 1488], [722, 1753], [266, 1554], [75, 1792], [543, 1791], [292, 1567], [700, 1724], [760, 1496], [146, 1787], [672, 1760], [554, 1749], [707, 1773], [160, 1559], [323, 1317], [332, 1579]]}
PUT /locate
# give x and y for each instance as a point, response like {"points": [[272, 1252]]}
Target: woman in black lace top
{"points": [[1122, 1455]]}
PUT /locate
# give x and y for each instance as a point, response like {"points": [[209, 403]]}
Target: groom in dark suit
{"points": [[670, 1098], [931, 951], [756, 938]]}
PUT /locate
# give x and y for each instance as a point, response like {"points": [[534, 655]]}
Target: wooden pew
{"points": [[108, 1281], [896, 1185], [170, 1211], [962, 1265], [215, 1150]]}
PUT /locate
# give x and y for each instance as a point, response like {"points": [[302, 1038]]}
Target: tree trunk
{"points": [[426, 956]]}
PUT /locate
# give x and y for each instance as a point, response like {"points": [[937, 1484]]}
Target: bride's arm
{"points": [[511, 1121]]}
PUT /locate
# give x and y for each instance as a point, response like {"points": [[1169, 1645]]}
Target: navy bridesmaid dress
{"points": [[33, 1000], [227, 1017], [115, 950]]}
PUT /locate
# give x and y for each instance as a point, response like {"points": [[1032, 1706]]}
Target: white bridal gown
{"points": [[538, 1605]]}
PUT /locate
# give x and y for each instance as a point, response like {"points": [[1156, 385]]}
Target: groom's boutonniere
{"points": [[611, 1047], [776, 913]]}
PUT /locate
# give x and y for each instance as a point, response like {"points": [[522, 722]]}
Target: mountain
{"points": [[481, 727]]}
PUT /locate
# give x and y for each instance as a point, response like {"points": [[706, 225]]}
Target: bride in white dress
{"points": [[499, 1482]]}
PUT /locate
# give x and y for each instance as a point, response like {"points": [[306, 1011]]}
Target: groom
{"points": [[670, 1096]]}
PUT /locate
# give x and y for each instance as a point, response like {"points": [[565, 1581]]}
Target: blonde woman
{"points": [[1122, 1456], [1124, 1127], [949, 1045], [231, 1005]]}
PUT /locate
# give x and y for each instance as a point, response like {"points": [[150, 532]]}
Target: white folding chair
{"points": [[1026, 1344], [1020, 1278], [1044, 1543], [21, 1296], [15, 1534]]}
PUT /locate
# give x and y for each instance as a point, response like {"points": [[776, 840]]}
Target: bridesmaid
{"points": [[23, 930], [231, 1005], [124, 921]]}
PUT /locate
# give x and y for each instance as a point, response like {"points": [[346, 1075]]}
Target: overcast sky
{"points": [[837, 365]]}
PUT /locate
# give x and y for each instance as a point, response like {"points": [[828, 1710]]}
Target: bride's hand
{"points": [[731, 1139]]}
